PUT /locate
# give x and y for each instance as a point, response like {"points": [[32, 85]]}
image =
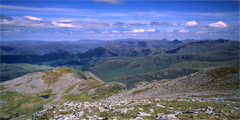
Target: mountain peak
{"points": [[164, 39], [176, 41]]}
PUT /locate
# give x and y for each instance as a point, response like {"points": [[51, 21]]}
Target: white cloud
{"points": [[138, 31], [60, 24], [33, 18], [218, 24], [191, 24], [23, 22], [151, 30], [183, 31], [30, 21], [111, 1], [115, 31], [66, 21]]}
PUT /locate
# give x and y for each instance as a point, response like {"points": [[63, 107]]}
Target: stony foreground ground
{"points": [[142, 109]]}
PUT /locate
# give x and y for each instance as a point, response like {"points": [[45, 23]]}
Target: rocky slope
{"points": [[52, 87], [219, 82], [212, 94]]}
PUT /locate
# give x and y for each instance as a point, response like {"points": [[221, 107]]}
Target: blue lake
{"points": [[45, 96]]}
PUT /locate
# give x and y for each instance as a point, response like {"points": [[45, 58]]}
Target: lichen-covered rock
{"points": [[143, 114], [209, 110]]}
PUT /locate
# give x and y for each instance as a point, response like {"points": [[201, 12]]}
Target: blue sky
{"points": [[118, 19]]}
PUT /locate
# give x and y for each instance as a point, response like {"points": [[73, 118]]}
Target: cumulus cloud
{"points": [[150, 30], [66, 21], [111, 1], [22, 22], [183, 31], [62, 24], [138, 31], [33, 18], [191, 24], [218, 24], [115, 31], [30, 21]]}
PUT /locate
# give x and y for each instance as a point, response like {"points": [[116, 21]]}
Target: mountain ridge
{"points": [[41, 89], [211, 94]]}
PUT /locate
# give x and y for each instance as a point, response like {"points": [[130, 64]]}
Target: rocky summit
{"points": [[22, 96], [212, 94], [141, 109]]}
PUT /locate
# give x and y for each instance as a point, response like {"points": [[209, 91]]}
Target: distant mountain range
{"points": [[129, 60], [27, 47]]}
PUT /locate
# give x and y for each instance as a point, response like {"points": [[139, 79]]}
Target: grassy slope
{"points": [[223, 79], [22, 106]]}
